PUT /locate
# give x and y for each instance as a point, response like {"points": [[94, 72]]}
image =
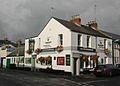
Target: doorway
{"points": [[1, 63], [8, 63], [75, 66]]}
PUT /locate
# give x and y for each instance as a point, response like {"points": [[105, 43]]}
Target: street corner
{"points": [[83, 78], [89, 76]]}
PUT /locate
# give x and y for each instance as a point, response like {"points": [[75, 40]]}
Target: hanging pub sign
{"points": [[48, 42], [60, 60], [100, 44], [110, 44], [106, 51]]}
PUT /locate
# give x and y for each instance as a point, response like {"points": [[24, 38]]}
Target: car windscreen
{"points": [[110, 66], [100, 66], [118, 65]]}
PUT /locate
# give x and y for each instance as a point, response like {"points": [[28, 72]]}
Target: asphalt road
{"points": [[110, 81], [28, 78]]}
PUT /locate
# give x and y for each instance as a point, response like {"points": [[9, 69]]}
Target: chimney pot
{"points": [[76, 20], [93, 25]]}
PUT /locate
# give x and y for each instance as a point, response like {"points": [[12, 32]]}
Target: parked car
{"points": [[106, 70], [118, 66]]}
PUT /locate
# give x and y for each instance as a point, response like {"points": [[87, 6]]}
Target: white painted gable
{"points": [[49, 35]]}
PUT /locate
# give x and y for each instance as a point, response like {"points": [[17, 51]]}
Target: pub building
{"points": [[69, 46]]}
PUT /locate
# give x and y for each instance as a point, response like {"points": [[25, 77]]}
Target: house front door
{"points": [[75, 62], [8, 63]]}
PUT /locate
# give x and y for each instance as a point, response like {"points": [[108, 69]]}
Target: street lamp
{"points": [[19, 42], [34, 55]]}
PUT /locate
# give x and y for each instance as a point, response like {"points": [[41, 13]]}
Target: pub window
{"points": [[102, 61], [88, 41], [79, 39], [60, 39], [67, 60], [105, 59], [117, 59], [60, 60], [31, 44], [105, 43], [28, 60]]}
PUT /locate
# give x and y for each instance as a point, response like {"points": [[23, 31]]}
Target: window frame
{"points": [[79, 40], [68, 63], [105, 43], [88, 41], [60, 37]]}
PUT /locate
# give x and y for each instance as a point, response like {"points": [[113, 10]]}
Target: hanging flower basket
{"points": [[49, 60], [91, 57], [95, 58], [59, 48], [29, 51], [106, 51], [85, 58], [38, 50], [41, 59]]}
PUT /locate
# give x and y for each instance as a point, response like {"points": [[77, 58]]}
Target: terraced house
{"points": [[68, 46], [116, 47], [6, 47]]}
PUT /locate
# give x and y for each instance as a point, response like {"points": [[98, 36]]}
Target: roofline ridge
{"points": [[105, 34]]}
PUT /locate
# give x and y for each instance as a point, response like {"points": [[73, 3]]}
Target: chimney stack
{"points": [[19, 42], [93, 25], [5, 38], [76, 20]]}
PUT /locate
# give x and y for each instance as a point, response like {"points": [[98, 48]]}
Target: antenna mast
{"points": [[52, 11], [95, 11]]}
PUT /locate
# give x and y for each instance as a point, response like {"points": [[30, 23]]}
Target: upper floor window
{"points": [[31, 44], [60, 39], [105, 43], [88, 41], [102, 60], [79, 39]]}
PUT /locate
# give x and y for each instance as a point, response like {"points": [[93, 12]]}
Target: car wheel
{"points": [[97, 75]]}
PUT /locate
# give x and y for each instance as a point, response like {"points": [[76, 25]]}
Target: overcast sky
{"points": [[20, 19]]}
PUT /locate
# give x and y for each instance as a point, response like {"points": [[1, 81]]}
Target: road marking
{"points": [[80, 84], [84, 83], [72, 81], [96, 81]]}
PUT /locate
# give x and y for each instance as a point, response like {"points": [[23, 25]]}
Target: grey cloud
{"points": [[24, 18]]}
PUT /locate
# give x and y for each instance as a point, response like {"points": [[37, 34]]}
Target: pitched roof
{"points": [[81, 29], [114, 36], [15, 52], [2, 42]]}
